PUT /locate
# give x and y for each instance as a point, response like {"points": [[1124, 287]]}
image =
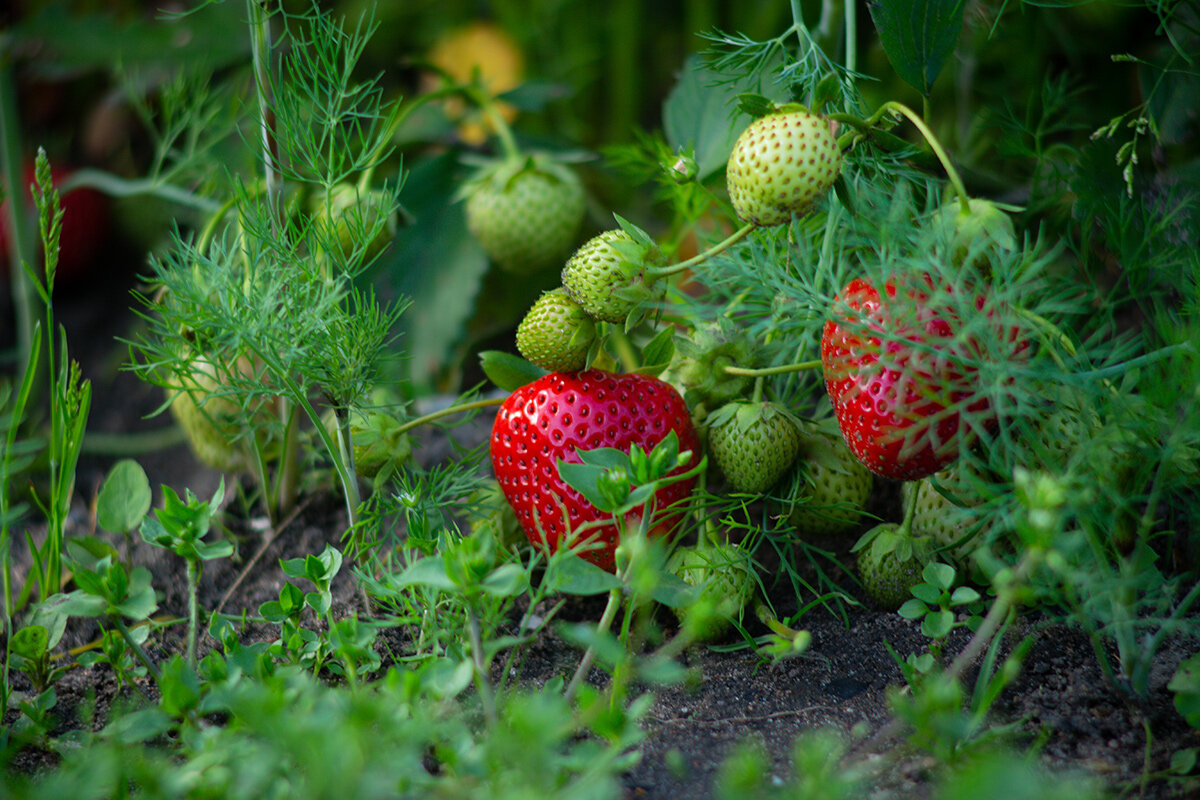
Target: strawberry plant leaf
{"points": [[696, 115], [918, 36], [507, 371]]}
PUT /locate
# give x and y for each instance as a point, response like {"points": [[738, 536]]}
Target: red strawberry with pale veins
{"points": [[550, 418], [899, 397]]}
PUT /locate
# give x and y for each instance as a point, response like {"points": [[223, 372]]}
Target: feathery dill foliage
{"points": [[264, 296]]}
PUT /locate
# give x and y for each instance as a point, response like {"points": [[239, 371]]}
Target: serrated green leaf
{"points": [[918, 36], [585, 478], [924, 591], [429, 571], [659, 351], [913, 609], [963, 595], [938, 575]]}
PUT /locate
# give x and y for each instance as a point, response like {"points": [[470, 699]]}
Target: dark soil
{"points": [[1061, 703]]}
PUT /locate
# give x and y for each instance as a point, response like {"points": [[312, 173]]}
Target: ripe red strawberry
{"points": [[899, 398], [550, 418], [780, 164]]}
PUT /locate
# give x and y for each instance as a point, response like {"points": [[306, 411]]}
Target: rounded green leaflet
{"points": [[124, 499]]}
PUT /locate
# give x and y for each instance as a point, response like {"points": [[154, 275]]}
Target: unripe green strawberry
{"points": [[943, 516], [380, 446], [525, 212], [832, 486], [726, 573], [973, 233], [780, 164], [360, 219], [607, 275], [754, 444], [889, 563], [556, 334]]}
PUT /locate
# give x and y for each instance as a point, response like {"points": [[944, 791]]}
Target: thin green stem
{"points": [[132, 444], [449, 411], [951, 172], [910, 513], [193, 580], [763, 372], [123, 187], [625, 351], [12, 172], [482, 684], [127, 635], [720, 247], [589, 655], [850, 10]]}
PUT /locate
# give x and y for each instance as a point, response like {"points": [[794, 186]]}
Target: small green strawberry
{"points": [[889, 563], [556, 334], [608, 277], [359, 219], [525, 212], [726, 574], [832, 487], [781, 164], [941, 502], [986, 226], [754, 444]]}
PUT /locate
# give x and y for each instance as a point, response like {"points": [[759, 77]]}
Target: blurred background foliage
{"points": [[596, 83]]}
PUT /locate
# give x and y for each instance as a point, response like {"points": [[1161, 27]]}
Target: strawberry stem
{"points": [[763, 372], [717, 249], [955, 179], [910, 512], [449, 411]]}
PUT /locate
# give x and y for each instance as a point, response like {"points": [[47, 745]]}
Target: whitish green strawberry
{"points": [[607, 275], [212, 417], [556, 334], [360, 219], [890, 563], [525, 212], [780, 164], [832, 487], [754, 444], [726, 574]]}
